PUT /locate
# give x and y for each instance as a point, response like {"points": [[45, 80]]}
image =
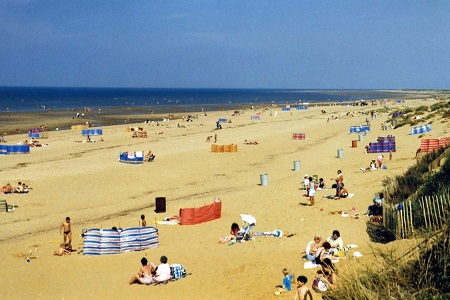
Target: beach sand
{"points": [[86, 182]]}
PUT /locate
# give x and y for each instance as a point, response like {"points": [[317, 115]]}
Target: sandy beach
{"points": [[86, 182]]}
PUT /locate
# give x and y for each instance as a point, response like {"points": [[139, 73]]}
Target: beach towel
{"points": [[139, 153], [131, 155]]}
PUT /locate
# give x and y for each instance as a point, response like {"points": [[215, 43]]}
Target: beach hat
{"points": [[306, 175]]}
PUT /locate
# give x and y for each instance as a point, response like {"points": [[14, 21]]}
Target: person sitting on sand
{"points": [[330, 272], [144, 276], [344, 193], [162, 271], [7, 188], [335, 240], [150, 156], [312, 247], [321, 184], [62, 251], [322, 252], [2, 139], [233, 233]]}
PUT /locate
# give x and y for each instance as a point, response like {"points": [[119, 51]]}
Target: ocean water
{"points": [[28, 99]]}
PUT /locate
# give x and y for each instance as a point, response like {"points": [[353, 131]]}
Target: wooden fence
{"points": [[429, 212]]}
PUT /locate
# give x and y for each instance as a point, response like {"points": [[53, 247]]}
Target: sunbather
{"points": [[144, 276], [62, 251]]}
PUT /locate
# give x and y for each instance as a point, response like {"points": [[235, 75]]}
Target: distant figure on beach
{"points": [[67, 231], [62, 251], [339, 183], [390, 153], [7, 188], [321, 184], [150, 156], [2, 139], [215, 138], [311, 190], [208, 139], [380, 161], [367, 149], [418, 152], [144, 276], [88, 139], [143, 221], [251, 142]]}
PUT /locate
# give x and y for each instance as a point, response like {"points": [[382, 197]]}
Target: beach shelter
{"points": [[421, 129], [114, 241], [132, 157], [14, 149], [92, 131], [197, 215]]}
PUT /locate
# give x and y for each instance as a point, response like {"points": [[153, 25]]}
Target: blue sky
{"points": [[353, 44]]}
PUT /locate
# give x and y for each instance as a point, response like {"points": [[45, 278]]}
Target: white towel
{"points": [[130, 154], [139, 153]]}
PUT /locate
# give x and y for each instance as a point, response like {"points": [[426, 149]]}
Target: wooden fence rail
{"points": [[429, 212]]}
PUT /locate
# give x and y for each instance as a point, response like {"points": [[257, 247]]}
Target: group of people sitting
{"points": [[317, 249], [150, 273], [20, 188]]}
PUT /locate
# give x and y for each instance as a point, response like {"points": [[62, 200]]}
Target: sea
{"points": [[30, 99]]}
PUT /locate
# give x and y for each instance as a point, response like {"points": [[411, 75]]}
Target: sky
{"points": [[303, 44]]}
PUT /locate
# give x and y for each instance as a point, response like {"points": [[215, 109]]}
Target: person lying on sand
{"points": [[62, 251], [251, 142]]}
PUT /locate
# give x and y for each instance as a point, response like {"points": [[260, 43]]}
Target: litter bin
{"points": [[264, 179], [160, 204], [296, 165]]}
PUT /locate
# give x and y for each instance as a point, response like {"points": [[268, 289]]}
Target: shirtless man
{"points": [[67, 231], [339, 184], [7, 188], [302, 290], [144, 276]]}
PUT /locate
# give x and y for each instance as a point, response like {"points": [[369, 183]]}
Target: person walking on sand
{"points": [[390, 153], [215, 138], [67, 231], [143, 221]]}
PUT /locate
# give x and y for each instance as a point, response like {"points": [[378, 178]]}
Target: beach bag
{"points": [[177, 271], [319, 286]]}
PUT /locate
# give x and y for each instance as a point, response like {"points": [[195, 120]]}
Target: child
{"points": [[143, 222], [287, 280], [321, 184], [302, 289]]}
